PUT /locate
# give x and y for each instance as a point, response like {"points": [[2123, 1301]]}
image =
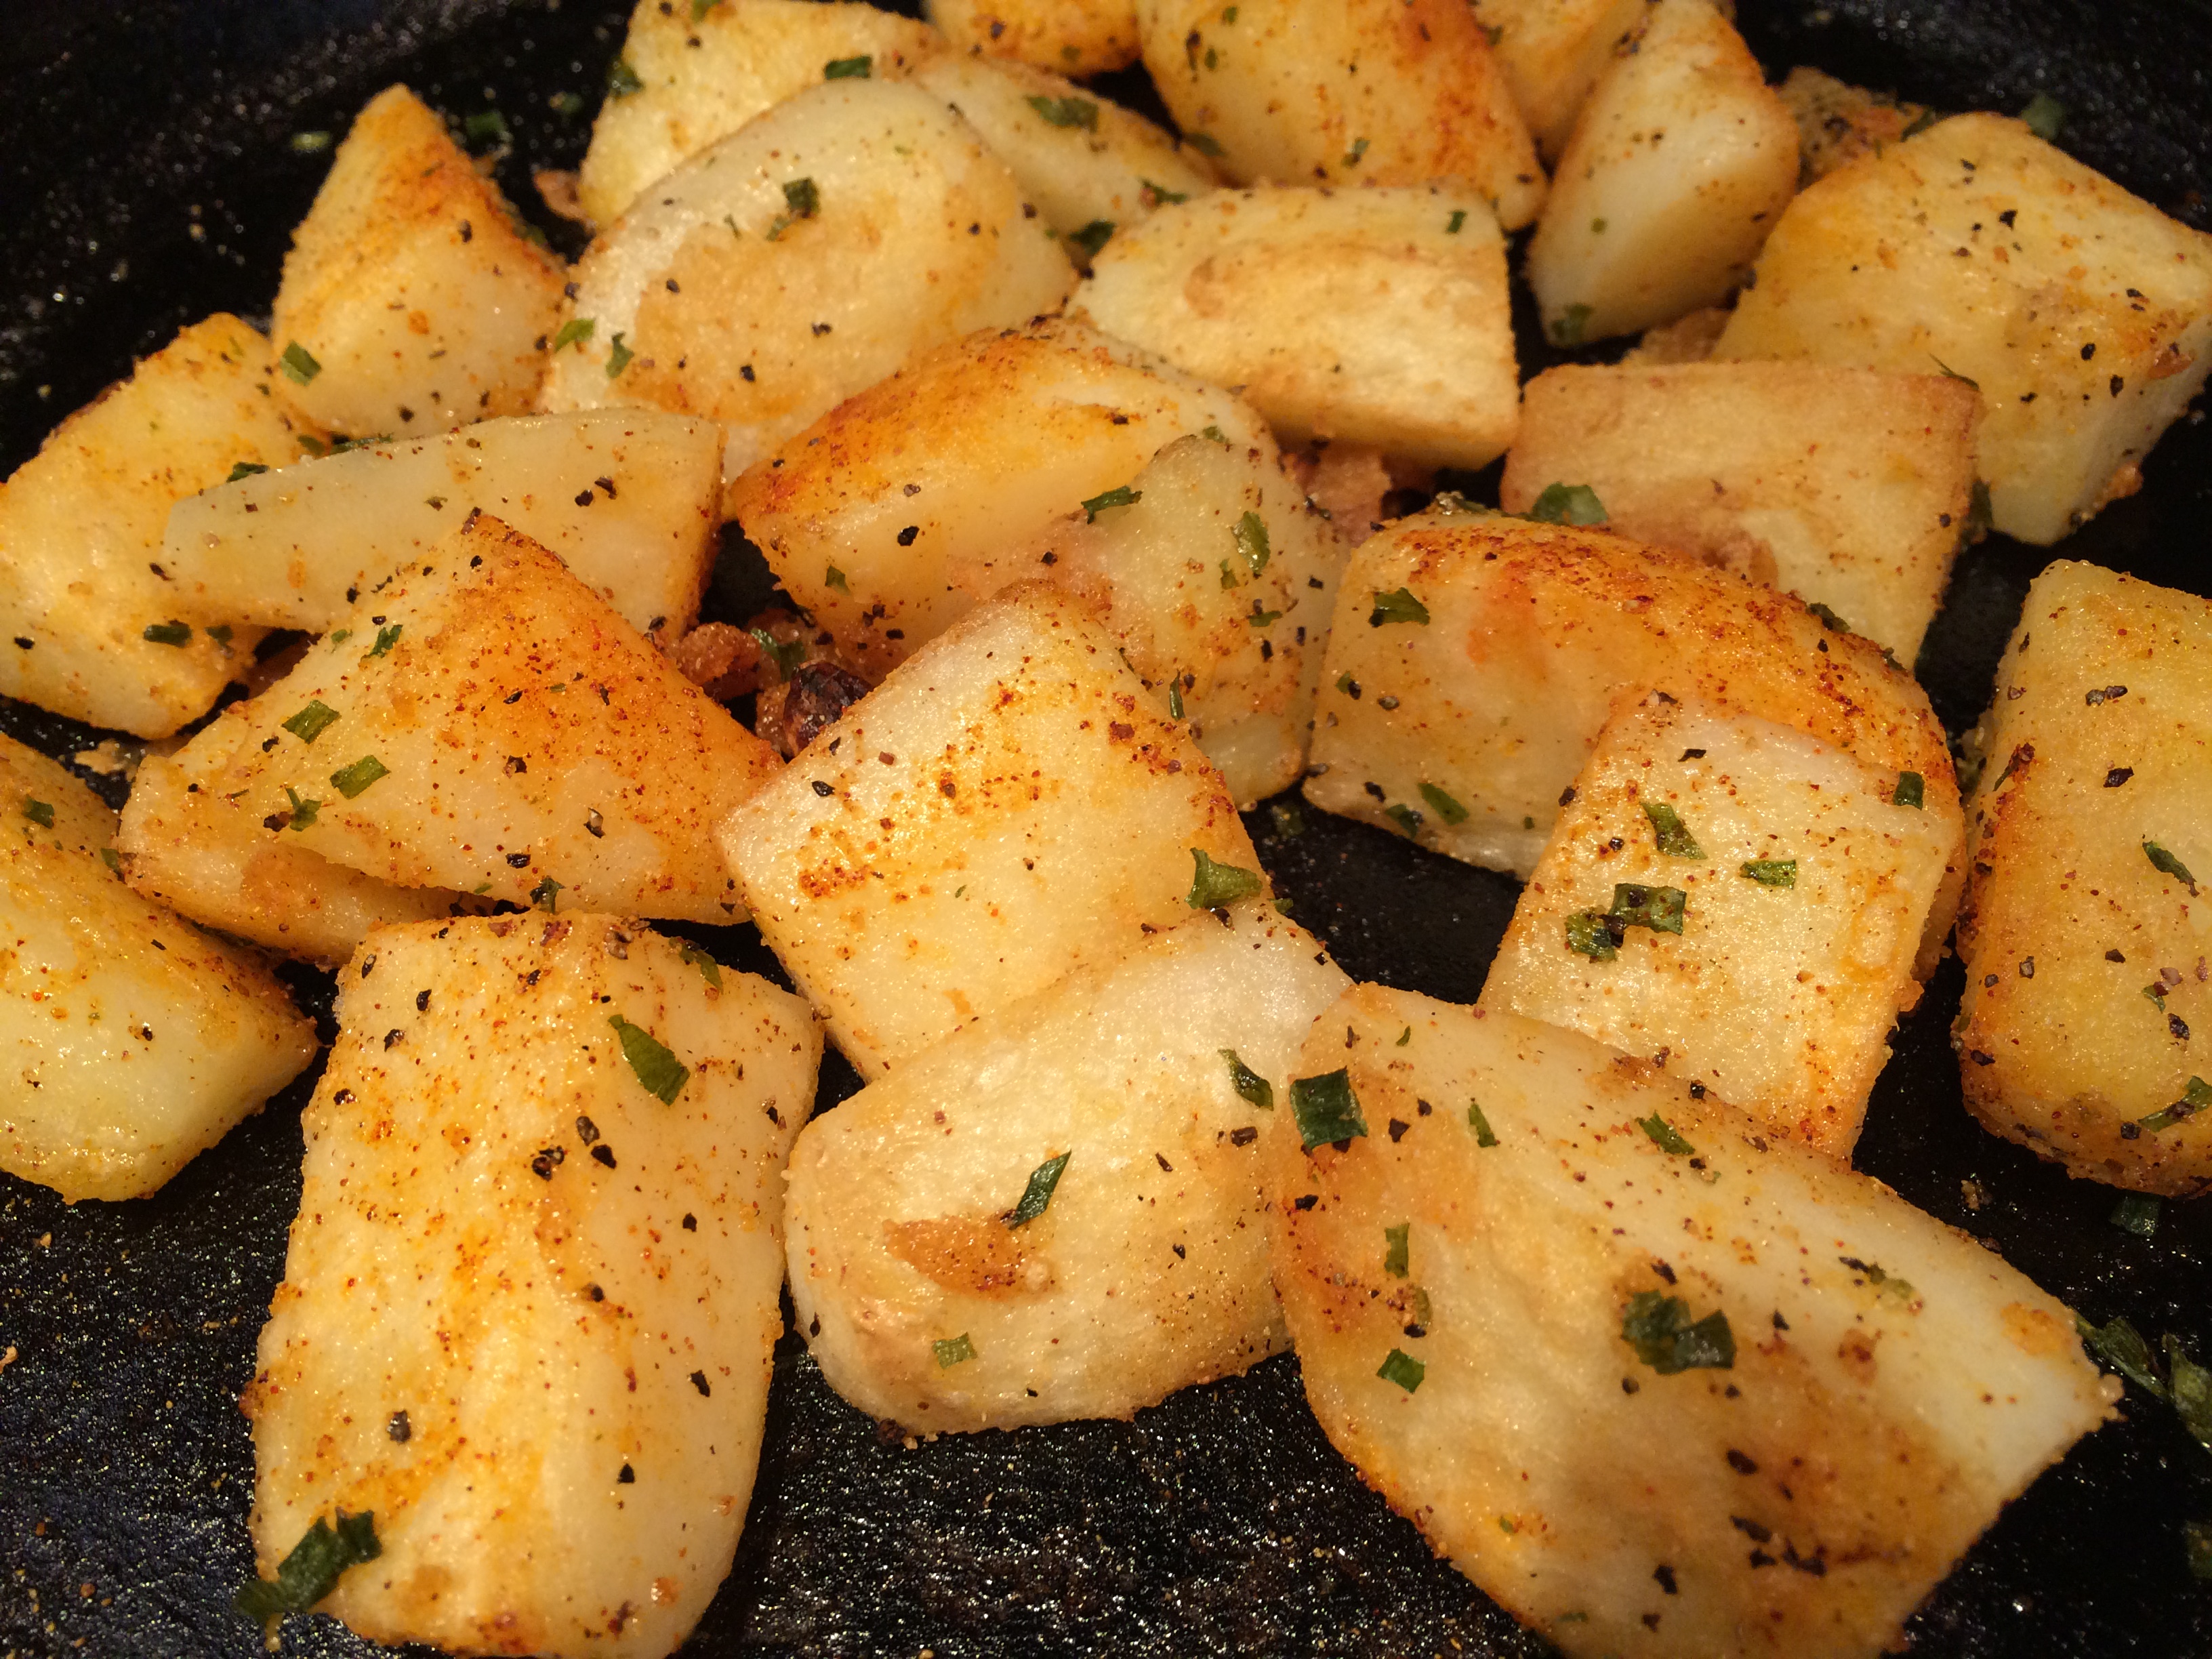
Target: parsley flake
{"points": [[1567, 328], [310, 1571], [1674, 836], [386, 637], [575, 332], [1660, 1329], [1659, 909], [303, 812], [2161, 860], [1326, 1108], [1566, 503], [1260, 618], [2137, 1213], [1249, 1083], [656, 1067], [618, 357], [849, 69], [167, 633], [1443, 804], [2045, 115], [40, 812], [1093, 236], [1038, 1193], [299, 364], [1595, 935], [623, 81], [1214, 886], [1772, 873], [311, 722], [352, 780], [1484, 1135], [2195, 1099], [1160, 195], [1120, 495], [1912, 790], [952, 1351], [1251, 537], [1402, 1369], [1665, 1136], [710, 969], [244, 469], [1205, 143], [546, 896], [1457, 222], [802, 200], [836, 578], [787, 654], [487, 126], [1067, 112], [1398, 605], [1397, 1255]]}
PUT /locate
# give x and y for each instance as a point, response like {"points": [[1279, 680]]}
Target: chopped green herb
{"points": [[1404, 816], [1595, 936], [112, 858], [1402, 1369], [1829, 619], [1568, 327], [310, 1571], [656, 1067], [340, 637], [1067, 112], [787, 654], [1483, 1135], [2045, 115], [1951, 374], [168, 633], [303, 812], [1359, 148], [1249, 1083], [801, 200], [244, 469], [1457, 222], [710, 969], [623, 81], [576, 332], [1565, 503], [546, 896], [2161, 860], [352, 780], [700, 7], [1216, 886], [1214, 433], [1260, 618], [1290, 822], [1405, 1037], [1921, 123], [40, 812], [1397, 1255], [1659, 909], [2194, 1099], [618, 357], [1665, 1136], [1175, 698], [1674, 838], [1326, 1108], [1205, 143], [1228, 578], [1443, 804], [1912, 790], [221, 635], [1251, 537], [1772, 873], [1398, 605], [386, 637], [1160, 195], [311, 722], [1092, 237], [1038, 1193], [849, 69], [487, 126], [1120, 495], [566, 104], [2137, 1213], [311, 144], [952, 1351], [298, 364], [2189, 1386], [2120, 1345], [1661, 1331], [836, 578]]}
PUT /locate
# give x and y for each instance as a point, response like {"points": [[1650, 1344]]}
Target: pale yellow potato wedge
{"points": [[933, 1300], [1462, 1293], [411, 301], [802, 258], [1849, 487], [1344, 92], [629, 499], [1553, 52], [2086, 1034], [2083, 314], [1534, 632], [1688, 339], [530, 1300], [1681, 160], [132, 1042], [700, 77], [1838, 122], [1006, 807], [1375, 317], [1782, 906], [483, 726], [90, 625], [1068, 37]]}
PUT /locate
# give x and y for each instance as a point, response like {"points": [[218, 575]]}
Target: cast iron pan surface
{"points": [[147, 177]]}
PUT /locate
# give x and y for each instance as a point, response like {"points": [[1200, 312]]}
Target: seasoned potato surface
{"points": [[1553, 52], [1069, 37]]}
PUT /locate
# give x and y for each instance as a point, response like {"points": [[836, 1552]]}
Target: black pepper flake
{"points": [[2028, 967], [1630, 1385], [1780, 1323], [1166, 1166], [1663, 1577], [1307, 1202], [397, 1428], [1751, 1530], [422, 1002], [1812, 1564], [1981, 1059], [822, 789], [1740, 1463], [2114, 956], [1243, 1136], [343, 1097], [627, 1477], [1181, 1254], [517, 860], [1697, 1091], [2118, 386], [906, 536], [604, 1154], [2118, 775], [690, 1222], [1663, 1271], [1567, 796], [365, 965], [1422, 1109], [392, 1036], [1398, 1127], [2088, 351], [2175, 1024], [699, 1381]]}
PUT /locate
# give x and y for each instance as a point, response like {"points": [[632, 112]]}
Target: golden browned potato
{"points": [[1068, 37], [411, 301], [2082, 314], [1553, 52], [1344, 92], [1056, 1212], [1006, 807], [2084, 934], [1660, 1385], [1740, 904], [1849, 487], [1838, 122], [89, 624], [133, 1040], [530, 1300], [1688, 339]]}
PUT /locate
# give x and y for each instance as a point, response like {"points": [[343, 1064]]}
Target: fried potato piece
{"points": [[554, 1422], [1553, 52], [1068, 37], [1126, 1097], [2084, 935], [1659, 1385], [1838, 122]]}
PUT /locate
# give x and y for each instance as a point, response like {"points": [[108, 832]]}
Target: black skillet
{"points": [[147, 177]]}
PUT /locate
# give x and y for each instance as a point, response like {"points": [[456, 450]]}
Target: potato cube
{"points": [[1690, 338], [1306, 300], [1680, 161], [2084, 935], [1056, 1212], [2082, 314], [1553, 52], [1475, 657], [1658, 1384], [553, 1422], [694, 79], [1739, 902], [799, 261], [1069, 37], [133, 1041], [93, 625], [1344, 92], [1849, 487], [1006, 807], [1838, 122], [481, 726], [411, 299], [629, 499]]}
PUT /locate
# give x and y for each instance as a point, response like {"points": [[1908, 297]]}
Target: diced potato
{"points": [[1688, 339], [2084, 935], [2083, 315], [1680, 162], [1725, 1400], [1838, 122], [133, 1041], [554, 1422], [483, 726], [934, 1298], [1089, 165], [1069, 37], [1738, 901], [1850, 487], [800, 259], [1553, 52], [411, 300], [1309, 302], [91, 624], [698, 76], [630, 499], [1344, 92], [1006, 807], [1475, 657]]}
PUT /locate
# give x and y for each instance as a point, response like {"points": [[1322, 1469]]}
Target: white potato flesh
{"points": [[1681, 161], [1553, 52], [1068, 37], [81, 532], [1849, 487], [1344, 92], [1376, 317], [2083, 314], [1804, 886], [701, 74], [1145, 1272], [629, 499], [1006, 807], [132, 1042], [483, 726], [1893, 1384], [1838, 122], [1534, 632], [530, 1300], [802, 258], [2086, 993], [410, 288]]}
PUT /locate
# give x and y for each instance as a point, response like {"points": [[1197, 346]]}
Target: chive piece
{"points": [[836, 578], [2045, 115], [952, 1351], [2191, 1386], [1565, 503], [1660, 1329], [352, 780], [1772, 873], [663, 1075], [244, 469], [167, 633], [1092, 237], [2137, 1213], [1249, 1083], [1595, 936], [310, 1571], [1483, 1135], [313, 722], [710, 969], [2160, 859], [1326, 1108], [1453, 225], [1665, 1136], [1402, 1369], [1120, 495], [1160, 195], [1912, 790], [1567, 328], [849, 69], [2196, 1548], [787, 654], [1659, 909], [1205, 143], [1251, 537], [1404, 1037], [299, 364], [2194, 1099], [1674, 838], [1404, 816], [39, 812], [487, 126], [2120, 1345], [1067, 112], [1397, 1255], [576, 332], [1216, 886], [303, 812], [623, 81], [1175, 698], [1443, 804], [546, 896], [386, 637], [618, 357], [1398, 605], [1038, 1193]]}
